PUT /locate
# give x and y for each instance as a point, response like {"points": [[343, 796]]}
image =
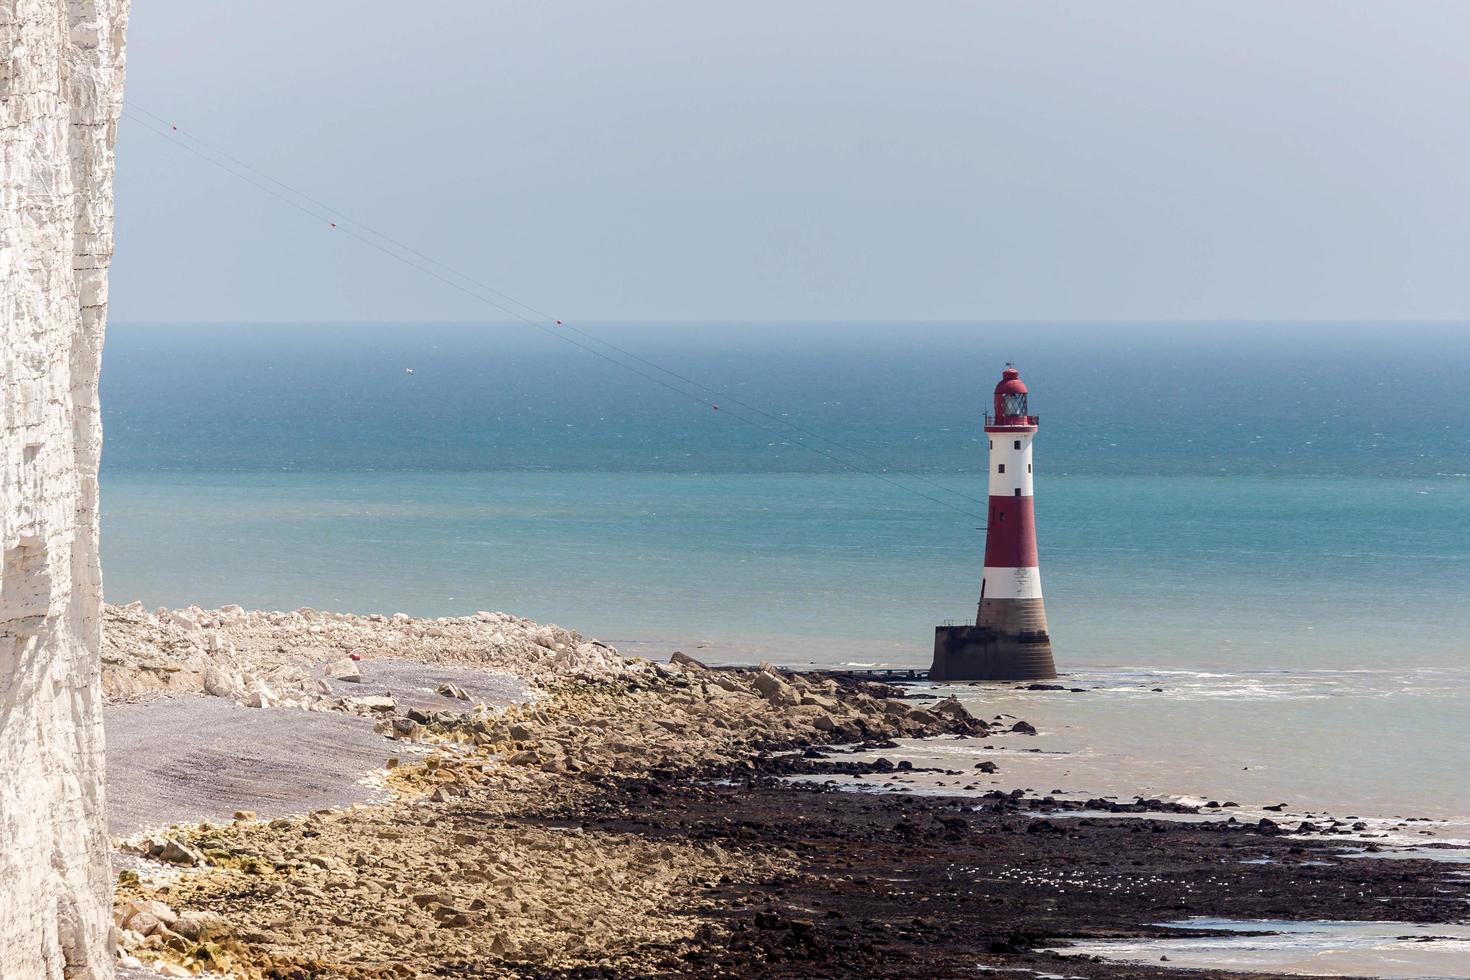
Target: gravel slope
{"points": [[202, 758], [185, 759]]}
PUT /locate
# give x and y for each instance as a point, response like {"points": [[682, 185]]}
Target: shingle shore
{"points": [[455, 868]]}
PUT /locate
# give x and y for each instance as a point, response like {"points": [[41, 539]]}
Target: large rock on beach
{"points": [[775, 690], [345, 669]]}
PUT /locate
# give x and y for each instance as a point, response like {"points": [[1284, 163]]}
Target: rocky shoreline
{"points": [[303, 658], [640, 819]]}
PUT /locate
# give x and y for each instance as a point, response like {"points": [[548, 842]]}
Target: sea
{"points": [[1254, 537]]}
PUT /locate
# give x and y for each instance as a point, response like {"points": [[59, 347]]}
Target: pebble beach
{"points": [[488, 796]]}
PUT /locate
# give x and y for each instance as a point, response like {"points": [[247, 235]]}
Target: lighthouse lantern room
{"points": [[1009, 640]]}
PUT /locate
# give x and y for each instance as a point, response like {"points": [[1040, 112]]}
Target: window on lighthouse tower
{"points": [[1013, 403]]}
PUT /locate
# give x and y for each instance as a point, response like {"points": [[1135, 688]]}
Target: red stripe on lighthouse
{"points": [[1010, 538]]}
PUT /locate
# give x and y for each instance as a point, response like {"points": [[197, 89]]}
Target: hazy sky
{"points": [[804, 160]]}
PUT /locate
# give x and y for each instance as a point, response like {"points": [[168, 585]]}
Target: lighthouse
{"points": [[1009, 640]]}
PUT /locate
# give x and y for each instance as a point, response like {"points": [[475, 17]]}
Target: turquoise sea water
{"points": [[1245, 501], [1175, 570]]}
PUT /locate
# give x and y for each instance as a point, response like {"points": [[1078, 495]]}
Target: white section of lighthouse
{"points": [[1010, 476]]}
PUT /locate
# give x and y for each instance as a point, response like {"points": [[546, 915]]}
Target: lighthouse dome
{"points": [[1010, 382], [1010, 400]]}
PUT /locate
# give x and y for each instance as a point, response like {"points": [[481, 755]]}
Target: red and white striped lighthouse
{"points": [[1009, 640]]}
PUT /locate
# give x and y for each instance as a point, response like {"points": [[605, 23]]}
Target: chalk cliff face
{"points": [[61, 68]]}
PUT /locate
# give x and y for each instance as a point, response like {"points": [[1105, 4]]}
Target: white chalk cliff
{"points": [[61, 69]]}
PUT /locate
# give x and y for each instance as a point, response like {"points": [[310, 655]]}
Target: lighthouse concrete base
{"points": [[980, 653]]}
